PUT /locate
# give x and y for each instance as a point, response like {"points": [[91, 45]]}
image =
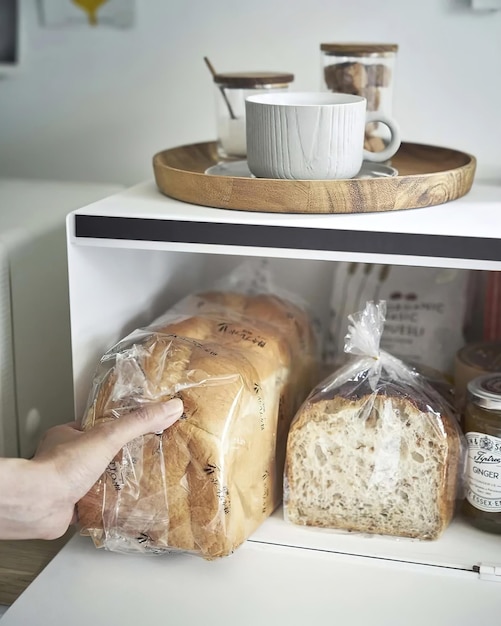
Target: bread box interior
{"points": [[121, 281]]}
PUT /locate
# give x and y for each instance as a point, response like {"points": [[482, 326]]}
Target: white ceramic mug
{"points": [[311, 136]]}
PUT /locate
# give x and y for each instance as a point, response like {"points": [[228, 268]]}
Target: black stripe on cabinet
{"points": [[270, 236]]}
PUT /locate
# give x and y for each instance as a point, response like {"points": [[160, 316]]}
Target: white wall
{"points": [[96, 104]]}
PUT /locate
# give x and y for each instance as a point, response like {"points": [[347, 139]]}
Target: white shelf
{"points": [[460, 547], [464, 233]]}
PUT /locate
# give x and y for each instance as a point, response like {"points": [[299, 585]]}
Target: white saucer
{"points": [[240, 169]]}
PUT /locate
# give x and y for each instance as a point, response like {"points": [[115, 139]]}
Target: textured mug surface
{"points": [[309, 136]]}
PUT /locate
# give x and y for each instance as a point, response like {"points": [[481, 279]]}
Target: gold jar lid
{"points": [[485, 391], [249, 80], [359, 49]]}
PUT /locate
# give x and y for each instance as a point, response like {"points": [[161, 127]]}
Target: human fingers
{"points": [[83, 459]]}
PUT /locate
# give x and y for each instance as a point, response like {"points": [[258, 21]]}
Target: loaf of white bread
{"points": [[383, 461], [242, 365]]}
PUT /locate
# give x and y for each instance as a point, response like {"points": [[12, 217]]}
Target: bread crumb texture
{"points": [[376, 463]]}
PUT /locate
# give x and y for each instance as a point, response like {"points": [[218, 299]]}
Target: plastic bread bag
{"points": [[242, 365], [374, 448]]}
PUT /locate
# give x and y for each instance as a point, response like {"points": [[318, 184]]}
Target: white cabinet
{"points": [[35, 352], [134, 254]]}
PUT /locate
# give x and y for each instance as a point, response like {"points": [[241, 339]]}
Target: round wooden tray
{"points": [[428, 175]]}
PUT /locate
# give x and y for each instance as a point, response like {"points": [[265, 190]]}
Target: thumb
{"points": [[84, 459], [149, 418]]}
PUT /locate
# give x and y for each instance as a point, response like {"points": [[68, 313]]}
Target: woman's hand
{"points": [[38, 496]]}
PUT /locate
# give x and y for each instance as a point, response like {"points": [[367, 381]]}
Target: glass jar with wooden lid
{"points": [[482, 425], [231, 91], [363, 69]]}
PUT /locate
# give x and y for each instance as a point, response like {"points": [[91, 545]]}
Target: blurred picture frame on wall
{"points": [[85, 13], [9, 36]]}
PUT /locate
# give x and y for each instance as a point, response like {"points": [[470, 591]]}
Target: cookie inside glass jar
{"points": [[366, 70]]}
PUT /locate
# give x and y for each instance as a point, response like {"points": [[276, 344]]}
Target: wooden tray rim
{"points": [[466, 170]]}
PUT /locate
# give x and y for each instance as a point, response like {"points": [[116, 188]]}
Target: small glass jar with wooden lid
{"points": [[363, 69], [231, 91], [482, 425]]}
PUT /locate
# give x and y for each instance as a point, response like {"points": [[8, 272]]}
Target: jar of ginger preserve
{"points": [[482, 424]]}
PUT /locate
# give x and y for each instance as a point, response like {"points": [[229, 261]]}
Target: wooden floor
{"points": [[22, 561]]}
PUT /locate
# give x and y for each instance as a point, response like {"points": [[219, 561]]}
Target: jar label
{"points": [[483, 474]]}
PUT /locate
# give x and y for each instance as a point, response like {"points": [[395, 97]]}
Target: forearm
{"points": [[28, 506]]}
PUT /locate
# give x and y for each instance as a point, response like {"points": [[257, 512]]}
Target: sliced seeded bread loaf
{"points": [[384, 462]]}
